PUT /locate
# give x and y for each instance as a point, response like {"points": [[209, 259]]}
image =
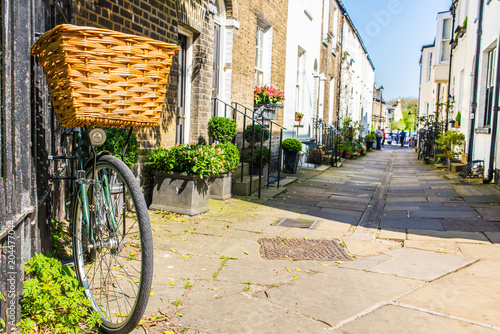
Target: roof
{"points": [[356, 32]]}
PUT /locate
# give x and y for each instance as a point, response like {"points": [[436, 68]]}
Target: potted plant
{"points": [[266, 100], [369, 141], [346, 147], [450, 143], [221, 186], [298, 116], [253, 133], [291, 148], [223, 130], [255, 163], [458, 118], [181, 177]]}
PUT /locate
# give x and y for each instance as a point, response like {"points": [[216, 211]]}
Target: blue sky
{"points": [[394, 32]]}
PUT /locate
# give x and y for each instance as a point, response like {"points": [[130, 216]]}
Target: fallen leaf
{"points": [[172, 283], [287, 269]]}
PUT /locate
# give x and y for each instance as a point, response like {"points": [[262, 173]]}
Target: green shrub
{"points": [[222, 129], [115, 141], [451, 143], [291, 145], [230, 156], [201, 160], [53, 300], [258, 127], [370, 137], [256, 155]]}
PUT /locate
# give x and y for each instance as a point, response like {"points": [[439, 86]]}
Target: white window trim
{"points": [[189, 76], [267, 29]]}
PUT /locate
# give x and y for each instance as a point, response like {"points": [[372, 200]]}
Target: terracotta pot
{"points": [[298, 118], [348, 155]]}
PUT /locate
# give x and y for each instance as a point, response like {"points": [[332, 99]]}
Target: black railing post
{"points": [[243, 148], [280, 158], [270, 152], [261, 158], [250, 167]]}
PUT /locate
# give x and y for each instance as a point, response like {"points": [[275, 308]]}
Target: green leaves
{"points": [[201, 160], [53, 300], [291, 145], [115, 142], [222, 129], [230, 156]]}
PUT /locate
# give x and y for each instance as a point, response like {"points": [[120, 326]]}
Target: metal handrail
{"points": [[280, 155], [235, 112], [260, 115]]}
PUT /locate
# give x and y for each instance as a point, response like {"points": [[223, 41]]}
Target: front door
{"points": [[181, 91]]}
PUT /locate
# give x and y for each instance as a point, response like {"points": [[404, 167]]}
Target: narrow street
{"points": [[417, 253]]}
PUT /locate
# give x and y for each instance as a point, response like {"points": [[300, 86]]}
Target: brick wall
{"points": [[330, 60], [243, 66]]}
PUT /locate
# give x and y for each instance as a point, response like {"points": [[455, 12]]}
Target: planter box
{"points": [[291, 161], [220, 187], [268, 110], [181, 193], [369, 144]]}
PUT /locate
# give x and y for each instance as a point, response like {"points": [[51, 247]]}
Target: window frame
{"points": [[429, 68], [490, 85]]}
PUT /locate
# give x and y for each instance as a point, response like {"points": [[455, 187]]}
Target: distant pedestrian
{"points": [[383, 138], [378, 136], [389, 139], [402, 136]]}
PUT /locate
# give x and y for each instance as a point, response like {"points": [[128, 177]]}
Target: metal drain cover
{"points": [[302, 249], [288, 222]]}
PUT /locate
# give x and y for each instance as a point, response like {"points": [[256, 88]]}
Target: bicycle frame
{"points": [[82, 146]]}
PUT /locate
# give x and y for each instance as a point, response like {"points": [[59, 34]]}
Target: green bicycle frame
{"points": [[83, 194]]}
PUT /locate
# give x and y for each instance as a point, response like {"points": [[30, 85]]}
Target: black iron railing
{"points": [[275, 165], [231, 112]]}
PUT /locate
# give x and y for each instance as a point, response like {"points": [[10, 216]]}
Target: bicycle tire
{"points": [[115, 252]]}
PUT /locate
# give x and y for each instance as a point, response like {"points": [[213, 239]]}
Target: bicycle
{"points": [[110, 230], [110, 226]]}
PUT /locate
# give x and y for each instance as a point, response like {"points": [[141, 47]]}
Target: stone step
{"points": [[457, 167], [243, 188], [246, 170]]}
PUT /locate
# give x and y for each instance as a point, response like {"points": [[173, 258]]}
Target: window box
{"points": [[266, 110]]}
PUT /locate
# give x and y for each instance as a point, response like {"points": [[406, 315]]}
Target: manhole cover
{"points": [[302, 249], [300, 223]]}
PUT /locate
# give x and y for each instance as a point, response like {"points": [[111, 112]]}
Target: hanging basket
{"points": [[100, 77]]}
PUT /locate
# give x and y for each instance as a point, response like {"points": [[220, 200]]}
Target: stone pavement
{"points": [[425, 256]]}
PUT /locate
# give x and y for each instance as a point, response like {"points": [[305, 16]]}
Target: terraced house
{"points": [[226, 49]]}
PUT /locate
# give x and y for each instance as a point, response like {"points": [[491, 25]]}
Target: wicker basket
{"points": [[99, 77]]}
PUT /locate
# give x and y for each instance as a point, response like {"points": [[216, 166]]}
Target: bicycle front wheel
{"points": [[113, 247]]}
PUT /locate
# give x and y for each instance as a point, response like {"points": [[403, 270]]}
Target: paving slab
{"points": [[242, 313], [453, 236], [493, 236], [365, 263], [411, 223], [470, 225], [442, 246], [393, 319], [362, 248], [461, 295], [418, 264], [392, 234], [339, 294], [490, 212]]}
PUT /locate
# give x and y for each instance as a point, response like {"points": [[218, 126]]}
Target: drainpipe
{"points": [[495, 123], [453, 13], [473, 105]]}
